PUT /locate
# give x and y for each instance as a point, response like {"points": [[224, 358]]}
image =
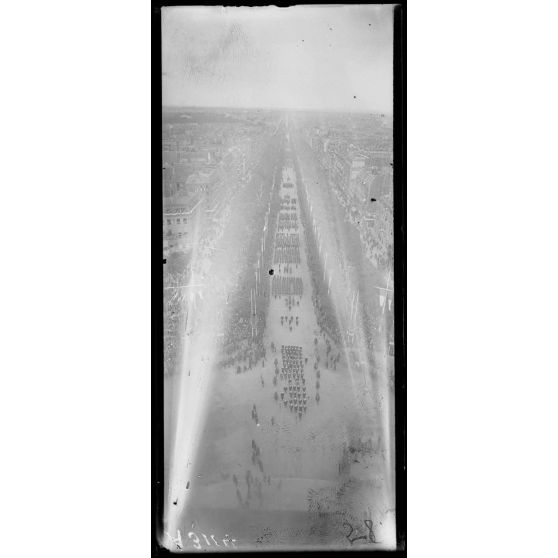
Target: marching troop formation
{"points": [[287, 268], [292, 373], [287, 202], [287, 248], [287, 252], [287, 255], [285, 286], [283, 240], [287, 221]]}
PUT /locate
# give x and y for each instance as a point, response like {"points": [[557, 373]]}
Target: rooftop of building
{"points": [[180, 204]]}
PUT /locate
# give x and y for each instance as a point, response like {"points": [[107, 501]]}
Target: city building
{"points": [[178, 217]]}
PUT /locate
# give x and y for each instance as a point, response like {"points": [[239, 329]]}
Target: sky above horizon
{"points": [[301, 57]]}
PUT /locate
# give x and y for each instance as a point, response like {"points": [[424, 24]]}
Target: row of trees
{"points": [[242, 347], [323, 305]]}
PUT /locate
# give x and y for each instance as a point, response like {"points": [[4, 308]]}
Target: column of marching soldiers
{"points": [[292, 372], [287, 248], [285, 286], [287, 255]]}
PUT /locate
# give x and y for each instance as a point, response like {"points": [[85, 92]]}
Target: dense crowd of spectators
{"points": [[243, 340]]}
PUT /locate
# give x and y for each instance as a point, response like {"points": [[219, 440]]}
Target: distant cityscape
{"points": [[204, 154]]}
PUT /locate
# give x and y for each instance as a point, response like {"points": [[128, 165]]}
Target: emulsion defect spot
{"points": [[271, 271]]}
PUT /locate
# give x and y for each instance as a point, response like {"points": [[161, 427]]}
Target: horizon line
{"points": [[353, 111]]}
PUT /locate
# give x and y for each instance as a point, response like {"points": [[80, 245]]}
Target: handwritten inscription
{"points": [[197, 543], [369, 536]]}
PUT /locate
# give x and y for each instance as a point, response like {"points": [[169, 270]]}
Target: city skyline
{"points": [[334, 58], [276, 109]]}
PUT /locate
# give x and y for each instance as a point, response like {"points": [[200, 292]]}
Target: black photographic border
{"points": [[400, 282]]}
